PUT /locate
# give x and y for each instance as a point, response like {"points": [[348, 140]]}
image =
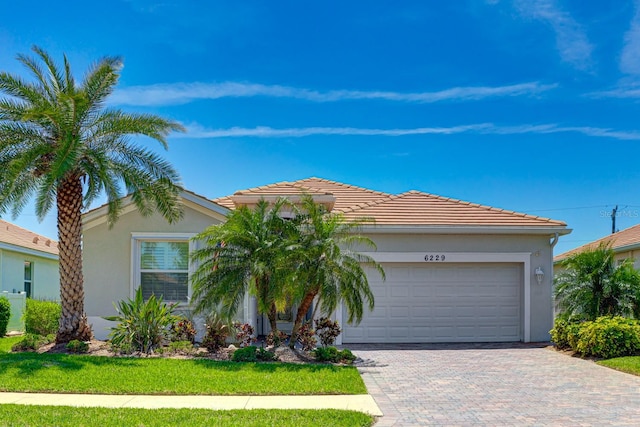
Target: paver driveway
{"points": [[495, 385]]}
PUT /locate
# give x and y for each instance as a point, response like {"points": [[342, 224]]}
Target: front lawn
{"points": [[628, 364], [7, 342], [64, 373], [64, 416]]}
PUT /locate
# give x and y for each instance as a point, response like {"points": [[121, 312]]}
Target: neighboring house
{"points": [[456, 271], [625, 244], [28, 263]]}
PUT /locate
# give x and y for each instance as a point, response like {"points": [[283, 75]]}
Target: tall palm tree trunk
{"points": [[73, 322], [303, 308]]}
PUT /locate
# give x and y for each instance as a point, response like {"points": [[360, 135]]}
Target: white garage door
{"points": [[430, 303]]}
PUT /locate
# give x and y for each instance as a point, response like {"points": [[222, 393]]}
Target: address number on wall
{"points": [[434, 257]]}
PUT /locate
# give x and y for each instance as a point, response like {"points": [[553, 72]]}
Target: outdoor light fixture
{"points": [[539, 275]]}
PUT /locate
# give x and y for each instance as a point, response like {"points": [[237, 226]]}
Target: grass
{"points": [[7, 342], [64, 373], [64, 416], [629, 364]]}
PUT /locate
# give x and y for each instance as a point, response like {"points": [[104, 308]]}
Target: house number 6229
{"points": [[434, 257]]}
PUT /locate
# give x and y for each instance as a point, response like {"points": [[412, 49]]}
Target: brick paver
{"points": [[495, 385]]}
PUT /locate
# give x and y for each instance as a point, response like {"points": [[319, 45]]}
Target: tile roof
{"points": [[346, 195], [413, 208], [18, 236], [418, 208], [627, 237]]}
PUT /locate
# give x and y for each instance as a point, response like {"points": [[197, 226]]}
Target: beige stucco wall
{"points": [[107, 258], [46, 280], [538, 246]]}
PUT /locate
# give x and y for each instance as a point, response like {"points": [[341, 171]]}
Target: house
{"points": [[625, 244], [28, 263], [456, 271]]}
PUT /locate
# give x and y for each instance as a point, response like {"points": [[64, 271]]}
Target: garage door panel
{"points": [[443, 303]]}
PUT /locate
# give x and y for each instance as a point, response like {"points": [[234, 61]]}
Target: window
{"points": [[28, 277], [160, 265]]}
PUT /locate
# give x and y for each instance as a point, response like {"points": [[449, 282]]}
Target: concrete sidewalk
{"points": [[358, 402]]}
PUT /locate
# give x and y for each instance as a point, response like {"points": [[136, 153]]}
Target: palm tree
{"points": [[60, 144], [328, 267], [591, 285], [247, 253]]}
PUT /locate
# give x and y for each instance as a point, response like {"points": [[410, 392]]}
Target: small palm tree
{"points": [[60, 144], [591, 285], [247, 253], [328, 267]]}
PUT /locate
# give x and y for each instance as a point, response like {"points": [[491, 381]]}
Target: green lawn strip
{"points": [[63, 416], [63, 373], [629, 364], [7, 342]]}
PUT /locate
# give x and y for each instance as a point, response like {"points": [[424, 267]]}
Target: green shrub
{"points": [[245, 354], [5, 313], [559, 333], [608, 337], [217, 331], [32, 342], [77, 346], [41, 317], [333, 355], [142, 325], [346, 356], [265, 355], [253, 354]]}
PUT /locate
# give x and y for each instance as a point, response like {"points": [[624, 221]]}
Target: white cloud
{"points": [[571, 39], [620, 92], [182, 93], [197, 131], [630, 57]]}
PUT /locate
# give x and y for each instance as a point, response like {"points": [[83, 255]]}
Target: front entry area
{"points": [[443, 303]]}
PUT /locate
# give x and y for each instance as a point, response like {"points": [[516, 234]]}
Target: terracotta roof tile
{"points": [[18, 236], [418, 208], [346, 195], [412, 208], [627, 237]]}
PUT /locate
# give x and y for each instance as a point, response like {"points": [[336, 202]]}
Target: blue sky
{"points": [[524, 105]]}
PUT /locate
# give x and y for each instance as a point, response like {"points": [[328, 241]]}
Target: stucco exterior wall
{"points": [[107, 258], [538, 246], [46, 280]]}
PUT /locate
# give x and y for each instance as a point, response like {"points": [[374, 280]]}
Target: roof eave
{"points": [[28, 251]]}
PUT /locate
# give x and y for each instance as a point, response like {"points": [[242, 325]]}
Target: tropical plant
{"points": [[328, 330], [41, 317], [182, 329], [591, 285], [306, 337], [142, 325], [217, 330], [5, 314], [244, 334], [247, 253], [276, 338], [61, 145], [328, 267]]}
